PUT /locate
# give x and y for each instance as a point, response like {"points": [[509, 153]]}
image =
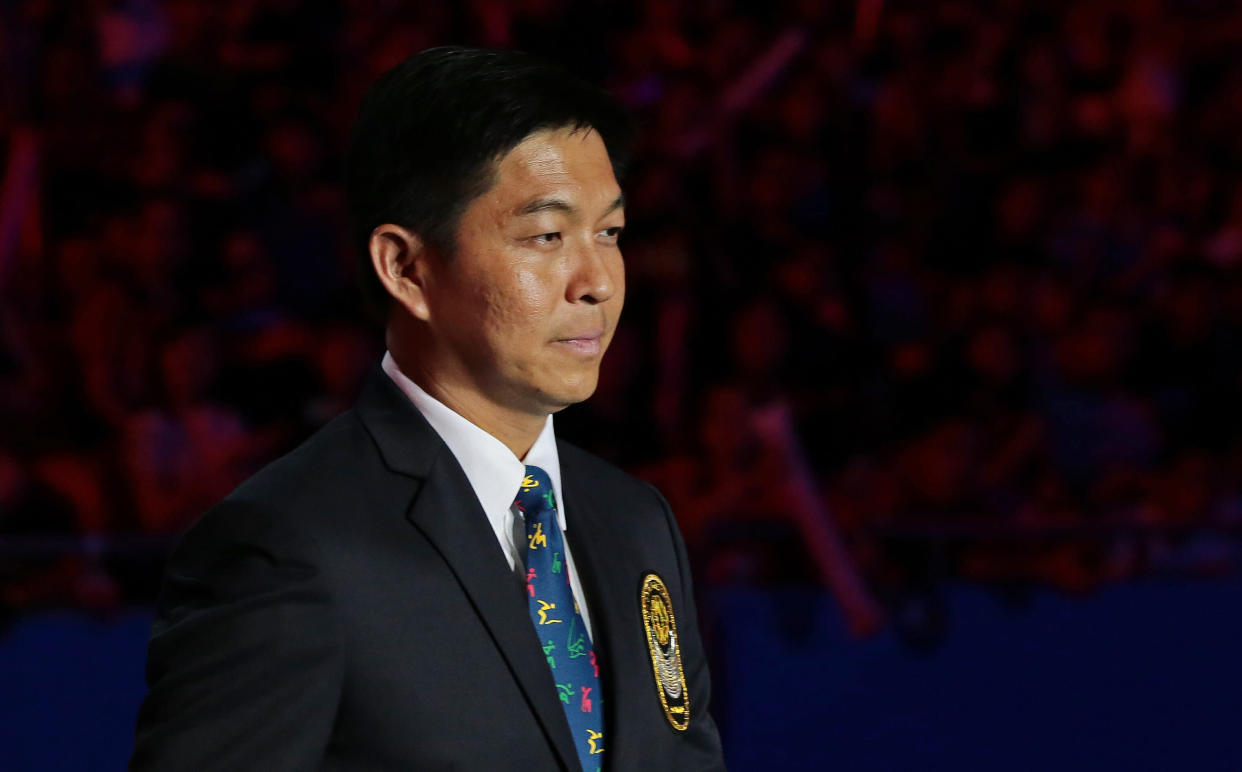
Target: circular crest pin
{"points": [[661, 629]]}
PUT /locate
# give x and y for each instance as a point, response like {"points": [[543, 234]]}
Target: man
{"points": [[433, 581]]}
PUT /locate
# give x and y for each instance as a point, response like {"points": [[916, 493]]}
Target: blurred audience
{"points": [[986, 257]]}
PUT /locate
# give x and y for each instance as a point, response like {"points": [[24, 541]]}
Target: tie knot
{"points": [[535, 495]]}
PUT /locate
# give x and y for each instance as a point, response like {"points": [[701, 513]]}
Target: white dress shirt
{"points": [[495, 473]]}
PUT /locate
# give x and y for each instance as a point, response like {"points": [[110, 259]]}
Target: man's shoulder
{"points": [[300, 491], [333, 455], [585, 471]]}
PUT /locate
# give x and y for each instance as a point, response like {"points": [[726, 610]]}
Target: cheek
{"points": [[513, 316], [533, 299]]}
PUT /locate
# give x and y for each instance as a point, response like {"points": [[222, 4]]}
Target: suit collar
{"points": [[447, 513], [490, 466], [406, 442]]}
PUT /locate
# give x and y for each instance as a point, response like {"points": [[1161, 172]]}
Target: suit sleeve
{"points": [[244, 663], [701, 736]]}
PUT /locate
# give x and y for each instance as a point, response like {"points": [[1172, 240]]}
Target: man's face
{"points": [[524, 310]]}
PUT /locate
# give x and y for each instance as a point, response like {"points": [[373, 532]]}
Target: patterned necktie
{"points": [[557, 621]]}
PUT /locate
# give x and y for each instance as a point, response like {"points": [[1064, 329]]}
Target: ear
{"points": [[399, 258]]}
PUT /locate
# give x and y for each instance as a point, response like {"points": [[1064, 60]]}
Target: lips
{"points": [[585, 343]]}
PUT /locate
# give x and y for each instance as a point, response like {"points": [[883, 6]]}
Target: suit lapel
{"points": [[468, 544], [447, 513], [611, 585]]}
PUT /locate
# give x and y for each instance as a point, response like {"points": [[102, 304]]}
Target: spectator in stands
{"points": [[995, 250]]}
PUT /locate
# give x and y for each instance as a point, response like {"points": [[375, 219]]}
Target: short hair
{"points": [[430, 131]]}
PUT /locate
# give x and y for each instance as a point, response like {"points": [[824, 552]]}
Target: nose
{"points": [[598, 274]]}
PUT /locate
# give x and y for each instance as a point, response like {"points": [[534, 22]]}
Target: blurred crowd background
{"points": [[919, 292]]}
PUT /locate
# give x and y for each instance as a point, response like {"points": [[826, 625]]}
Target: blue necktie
{"points": [[557, 621]]}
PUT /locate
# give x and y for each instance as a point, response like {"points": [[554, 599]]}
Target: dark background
{"points": [[931, 339]]}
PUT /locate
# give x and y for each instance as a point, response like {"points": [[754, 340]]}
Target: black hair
{"points": [[430, 131]]}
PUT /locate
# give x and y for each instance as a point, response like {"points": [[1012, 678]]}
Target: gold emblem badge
{"points": [[661, 627]]}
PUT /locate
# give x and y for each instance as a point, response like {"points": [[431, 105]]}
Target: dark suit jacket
{"points": [[349, 608]]}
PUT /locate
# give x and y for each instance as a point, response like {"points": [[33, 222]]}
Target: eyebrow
{"points": [[552, 204]]}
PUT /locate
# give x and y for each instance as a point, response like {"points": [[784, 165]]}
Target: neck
{"points": [[518, 430]]}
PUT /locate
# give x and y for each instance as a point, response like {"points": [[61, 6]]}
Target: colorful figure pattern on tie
{"points": [[557, 621]]}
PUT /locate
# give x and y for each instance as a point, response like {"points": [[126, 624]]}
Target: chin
{"points": [[572, 391]]}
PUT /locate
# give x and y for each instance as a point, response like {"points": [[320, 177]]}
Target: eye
{"points": [[614, 233], [547, 238]]}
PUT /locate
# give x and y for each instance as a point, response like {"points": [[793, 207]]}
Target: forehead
{"points": [[567, 162]]}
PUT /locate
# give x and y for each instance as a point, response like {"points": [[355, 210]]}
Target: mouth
{"points": [[586, 344]]}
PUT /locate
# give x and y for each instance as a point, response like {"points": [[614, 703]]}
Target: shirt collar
{"points": [[493, 471]]}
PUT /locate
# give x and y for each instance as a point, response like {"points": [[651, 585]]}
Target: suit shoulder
{"points": [[289, 494], [587, 464], [604, 476], [330, 456]]}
